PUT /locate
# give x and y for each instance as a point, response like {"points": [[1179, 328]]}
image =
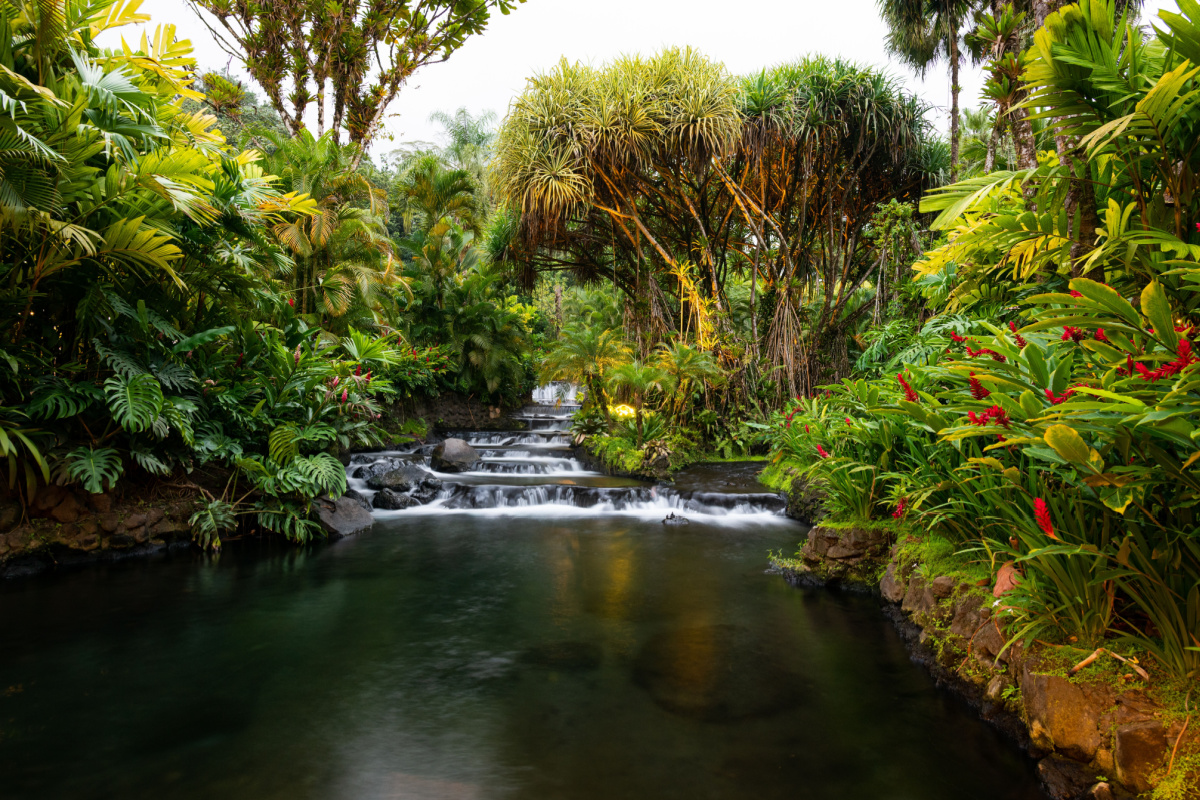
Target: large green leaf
{"points": [[135, 402]]}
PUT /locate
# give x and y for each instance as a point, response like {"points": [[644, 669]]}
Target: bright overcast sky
{"points": [[746, 35]]}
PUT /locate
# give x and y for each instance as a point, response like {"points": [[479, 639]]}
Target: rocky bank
{"points": [[1096, 737]]}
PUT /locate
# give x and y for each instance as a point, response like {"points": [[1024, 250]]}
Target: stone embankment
{"points": [[1096, 738]]}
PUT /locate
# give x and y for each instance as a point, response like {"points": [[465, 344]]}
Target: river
{"points": [[576, 649]]}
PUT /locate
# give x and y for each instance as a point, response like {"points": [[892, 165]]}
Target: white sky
{"points": [[747, 35]]}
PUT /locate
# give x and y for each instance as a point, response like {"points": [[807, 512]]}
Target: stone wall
{"points": [[1092, 739], [453, 412], [64, 527]]}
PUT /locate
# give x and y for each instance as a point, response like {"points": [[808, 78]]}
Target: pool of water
{"points": [[478, 656]]}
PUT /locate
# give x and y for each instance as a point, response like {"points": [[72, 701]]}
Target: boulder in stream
{"points": [[342, 517], [393, 501], [401, 478], [453, 455]]}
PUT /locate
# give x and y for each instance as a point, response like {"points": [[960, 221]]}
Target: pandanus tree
{"points": [[616, 173], [824, 142], [686, 367], [641, 381]]}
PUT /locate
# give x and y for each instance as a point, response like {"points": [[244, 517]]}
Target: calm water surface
{"points": [[466, 656]]}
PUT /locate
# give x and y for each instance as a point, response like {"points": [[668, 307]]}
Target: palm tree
{"points": [[433, 193], [922, 33], [641, 380], [586, 355], [685, 365], [344, 259]]}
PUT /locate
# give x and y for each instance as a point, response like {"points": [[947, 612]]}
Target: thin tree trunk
{"points": [[954, 90], [1022, 134], [989, 163]]}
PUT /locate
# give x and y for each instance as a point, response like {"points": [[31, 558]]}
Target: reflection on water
{"points": [[476, 657]]}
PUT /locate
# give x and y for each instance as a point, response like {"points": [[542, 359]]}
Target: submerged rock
{"points": [[716, 673], [453, 455]]}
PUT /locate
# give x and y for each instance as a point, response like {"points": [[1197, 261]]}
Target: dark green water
{"points": [[457, 656]]}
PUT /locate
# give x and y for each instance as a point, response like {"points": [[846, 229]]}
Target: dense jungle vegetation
{"points": [[986, 339]]}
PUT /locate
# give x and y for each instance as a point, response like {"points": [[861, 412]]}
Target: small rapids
{"points": [[534, 472]]}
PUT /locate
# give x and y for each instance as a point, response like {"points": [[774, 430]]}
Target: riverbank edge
{"points": [[1090, 739]]}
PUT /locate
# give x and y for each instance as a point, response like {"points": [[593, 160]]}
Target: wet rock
{"points": [[100, 503], [987, 642], [1062, 716], [805, 502], [890, 586], [1140, 749], [968, 616], [342, 517], [453, 455], [716, 673], [399, 478], [427, 491], [10, 514], [47, 498], [1064, 779], [674, 519], [393, 501]]}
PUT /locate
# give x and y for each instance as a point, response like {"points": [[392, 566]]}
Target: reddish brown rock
{"points": [[67, 510], [942, 587], [1062, 716], [134, 521], [100, 503], [109, 522], [1140, 749], [891, 587]]}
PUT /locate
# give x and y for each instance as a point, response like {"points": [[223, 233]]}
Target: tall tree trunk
{"points": [[989, 163], [1022, 134], [954, 89]]}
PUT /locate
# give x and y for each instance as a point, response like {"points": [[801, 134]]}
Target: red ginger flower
{"points": [[1055, 399], [849, 421], [1012, 326], [1100, 337], [345, 394], [806, 429], [1072, 334], [358, 371], [957, 339], [1185, 359], [292, 302], [910, 394], [900, 507], [995, 413], [983, 351], [1042, 514], [977, 389], [1076, 294], [821, 452]]}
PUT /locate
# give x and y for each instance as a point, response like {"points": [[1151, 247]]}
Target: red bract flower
{"points": [[336, 381], [977, 389], [900, 507], [345, 394], [358, 371], [1012, 326], [821, 452], [368, 378], [1076, 294], [292, 302], [1100, 337], [1072, 334], [849, 421], [1042, 514], [1055, 399], [806, 429], [1185, 359], [983, 351], [959, 339], [994, 414], [910, 394]]}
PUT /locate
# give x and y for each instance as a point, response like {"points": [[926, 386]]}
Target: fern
{"points": [[135, 402], [97, 470]]}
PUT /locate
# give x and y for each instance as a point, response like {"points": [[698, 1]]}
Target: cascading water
{"points": [[533, 472]]}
